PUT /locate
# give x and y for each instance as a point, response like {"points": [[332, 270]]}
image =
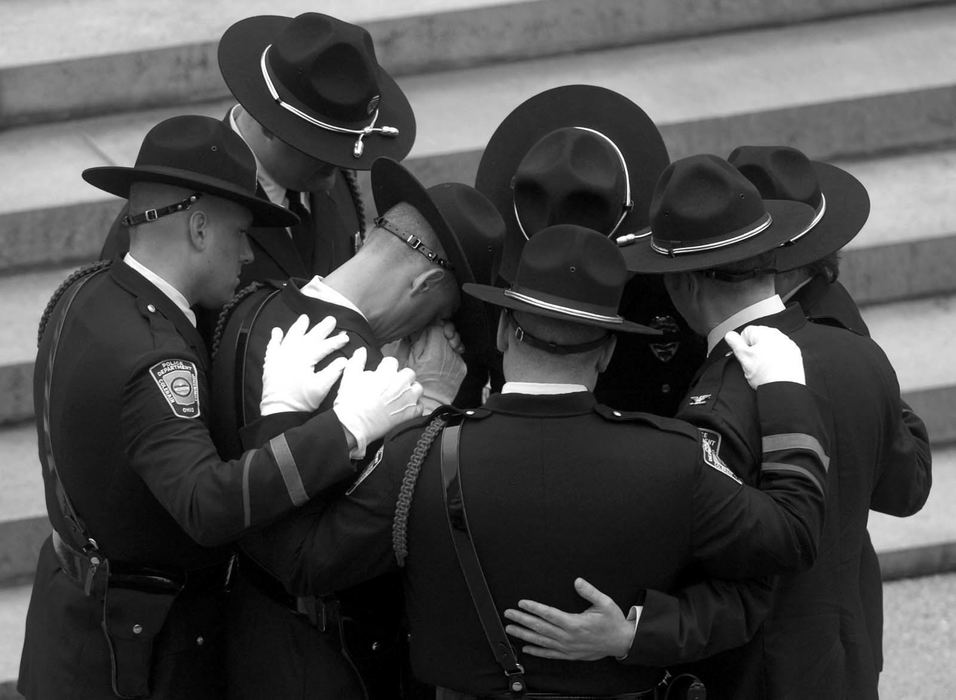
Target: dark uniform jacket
{"points": [[651, 374], [272, 650], [830, 302], [558, 487], [816, 640], [127, 407]]}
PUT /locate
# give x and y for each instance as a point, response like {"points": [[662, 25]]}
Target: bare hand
{"points": [[601, 630]]}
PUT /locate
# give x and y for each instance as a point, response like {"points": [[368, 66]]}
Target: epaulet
{"points": [[75, 276], [660, 422], [226, 313]]}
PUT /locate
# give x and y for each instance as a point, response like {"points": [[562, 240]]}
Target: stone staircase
{"points": [[870, 84]]}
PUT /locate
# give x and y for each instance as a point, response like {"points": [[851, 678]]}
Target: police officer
{"points": [[551, 482], [404, 281], [586, 155], [810, 636], [129, 591], [314, 106]]}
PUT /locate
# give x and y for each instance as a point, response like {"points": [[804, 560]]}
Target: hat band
{"points": [[821, 210], [567, 310], [151, 215], [413, 242], [359, 148], [626, 206], [764, 223]]}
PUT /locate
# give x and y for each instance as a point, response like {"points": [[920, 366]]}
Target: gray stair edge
{"points": [[409, 45], [862, 127]]}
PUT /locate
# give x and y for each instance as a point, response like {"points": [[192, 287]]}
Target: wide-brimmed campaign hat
{"points": [[705, 214], [570, 273], [840, 201], [198, 153], [468, 226], [576, 154], [315, 83]]}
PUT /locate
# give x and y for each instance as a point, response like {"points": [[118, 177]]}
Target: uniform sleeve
{"points": [[905, 474], [215, 501], [342, 543], [741, 532]]}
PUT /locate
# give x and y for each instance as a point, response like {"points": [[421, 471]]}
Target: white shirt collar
{"points": [[165, 287], [317, 289], [541, 389], [765, 307]]}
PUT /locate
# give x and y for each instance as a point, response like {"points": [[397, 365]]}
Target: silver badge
{"points": [[665, 351]]}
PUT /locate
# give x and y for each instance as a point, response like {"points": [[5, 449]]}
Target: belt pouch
{"points": [[134, 611]]}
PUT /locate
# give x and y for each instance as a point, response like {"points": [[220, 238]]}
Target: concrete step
{"points": [[915, 335], [85, 67], [887, 93]]}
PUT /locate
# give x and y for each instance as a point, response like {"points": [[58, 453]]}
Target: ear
{"points": [[604, 359], [503, 336], [198, 231], [426, 281]]}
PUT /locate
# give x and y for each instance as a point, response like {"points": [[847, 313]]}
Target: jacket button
{"points": [[200, 641], [151, 308], [617, 413], [137, 629], [376, 646]]}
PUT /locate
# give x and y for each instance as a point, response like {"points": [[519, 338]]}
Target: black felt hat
{"points": [[198, 153], [468, 226], [841, 203], [576, 154], [706, 214], [570, 273], [315, 83]]}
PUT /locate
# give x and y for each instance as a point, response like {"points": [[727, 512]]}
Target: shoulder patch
{"points": [[710, 446], [369, 468], [179, 382], [699, 400]]}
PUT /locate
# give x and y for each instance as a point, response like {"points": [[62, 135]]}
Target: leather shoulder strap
{"points": [[470, 565], [56, 315]]}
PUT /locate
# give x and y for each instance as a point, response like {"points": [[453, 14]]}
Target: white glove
{"points": [[370, 403], [437, 364], [289, 379], [766, 355]]}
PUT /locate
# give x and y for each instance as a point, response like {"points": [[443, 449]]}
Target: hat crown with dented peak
{"points": [[778, 172], [570, 176], [199, 146], [700, 200], [572, 266], [327, 65]]}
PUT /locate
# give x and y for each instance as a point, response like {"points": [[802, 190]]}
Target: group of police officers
{"points": [[600, 426]]}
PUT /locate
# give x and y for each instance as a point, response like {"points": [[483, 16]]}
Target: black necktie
{"points": [[302, 234]]}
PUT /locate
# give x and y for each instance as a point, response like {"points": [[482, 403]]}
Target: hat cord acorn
{"points": [[359, 148]]}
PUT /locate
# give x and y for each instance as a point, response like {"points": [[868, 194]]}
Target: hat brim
{"points": [[240, 49], [788, 219], [847, 209], [117, 180], [497, 297], [590, 106]]}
